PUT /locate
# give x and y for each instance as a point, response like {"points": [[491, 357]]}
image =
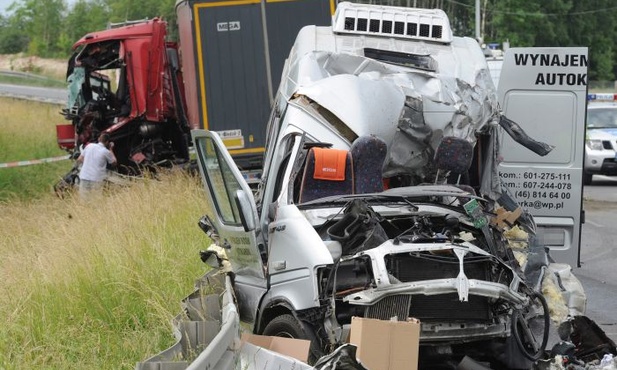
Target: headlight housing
{"points": [[594, 144]]}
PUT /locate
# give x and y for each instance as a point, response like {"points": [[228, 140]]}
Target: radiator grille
{"points": [[392, 306], [448, 307], [606, 144], [409, 268]]}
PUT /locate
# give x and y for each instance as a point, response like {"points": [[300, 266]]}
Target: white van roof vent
{"points": [[392, 21]]}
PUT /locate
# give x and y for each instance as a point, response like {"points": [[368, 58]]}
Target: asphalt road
{"points": [[43, 94], [598, 271]]}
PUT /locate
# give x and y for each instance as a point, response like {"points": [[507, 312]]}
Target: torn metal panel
{"points": [[411, 107], [490, 184], [340, 92]]}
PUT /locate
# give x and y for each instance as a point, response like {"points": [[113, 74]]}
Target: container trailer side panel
{"points": [[237, 62], [284, 20], [234, 90]]}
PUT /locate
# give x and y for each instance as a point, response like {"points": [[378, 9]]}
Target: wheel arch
{"points": [[271, 310]]}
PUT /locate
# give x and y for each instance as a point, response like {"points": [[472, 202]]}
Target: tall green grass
{"points": [[28, 131], [88, 285], [95, 285]]}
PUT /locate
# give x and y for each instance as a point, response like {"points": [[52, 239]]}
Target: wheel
{"points": [[288, 326], [587, 178]]}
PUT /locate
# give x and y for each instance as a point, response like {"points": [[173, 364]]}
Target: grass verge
{"points": [[94, 286], [29, 132], [88, 285]]}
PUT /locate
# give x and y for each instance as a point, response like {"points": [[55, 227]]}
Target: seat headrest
{"points": [[329, 164], [454, 154]]}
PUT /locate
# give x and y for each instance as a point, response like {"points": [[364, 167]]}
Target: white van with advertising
{"points": [[383, 190], [545, 90]]}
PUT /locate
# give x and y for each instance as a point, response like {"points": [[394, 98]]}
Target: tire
{"points": [[288, 326], [587, 177]]}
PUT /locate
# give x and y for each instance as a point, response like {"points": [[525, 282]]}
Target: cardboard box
{"points": [[386, 345], [296, 348]]}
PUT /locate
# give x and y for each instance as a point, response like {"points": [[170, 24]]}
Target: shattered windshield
{"points": [[82, 89], [75, 81], [103, 55]]}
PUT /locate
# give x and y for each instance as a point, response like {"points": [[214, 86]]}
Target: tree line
{"points": [[48, 28]]}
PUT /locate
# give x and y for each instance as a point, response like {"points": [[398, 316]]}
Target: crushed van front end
{"points": [[459, 292], [423, 257]]}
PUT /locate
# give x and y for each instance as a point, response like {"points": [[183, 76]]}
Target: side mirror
{"points": [[246, 213]]}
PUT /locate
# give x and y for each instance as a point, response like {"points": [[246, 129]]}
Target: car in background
{"points": [[601, 138]]}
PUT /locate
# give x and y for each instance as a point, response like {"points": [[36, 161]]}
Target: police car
{"points": [[601, 138]]}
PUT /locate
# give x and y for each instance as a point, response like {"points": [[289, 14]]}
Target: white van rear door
{"points": [[544, 90]]}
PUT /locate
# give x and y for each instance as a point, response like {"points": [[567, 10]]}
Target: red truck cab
{"points": [[126, 81]]}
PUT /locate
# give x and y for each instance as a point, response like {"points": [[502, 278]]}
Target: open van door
{"points": [[232, 215], [544, 90]]}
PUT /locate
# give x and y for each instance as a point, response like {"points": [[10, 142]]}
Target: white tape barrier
{"points": [[33, 161]]}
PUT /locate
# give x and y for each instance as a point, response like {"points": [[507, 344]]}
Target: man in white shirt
{"points": [[95, 157]]}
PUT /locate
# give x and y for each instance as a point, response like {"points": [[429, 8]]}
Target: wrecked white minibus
{"points": [[389, 189]]}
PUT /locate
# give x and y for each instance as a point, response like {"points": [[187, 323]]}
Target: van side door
{"points": [[232, 214], [544, 90]]}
